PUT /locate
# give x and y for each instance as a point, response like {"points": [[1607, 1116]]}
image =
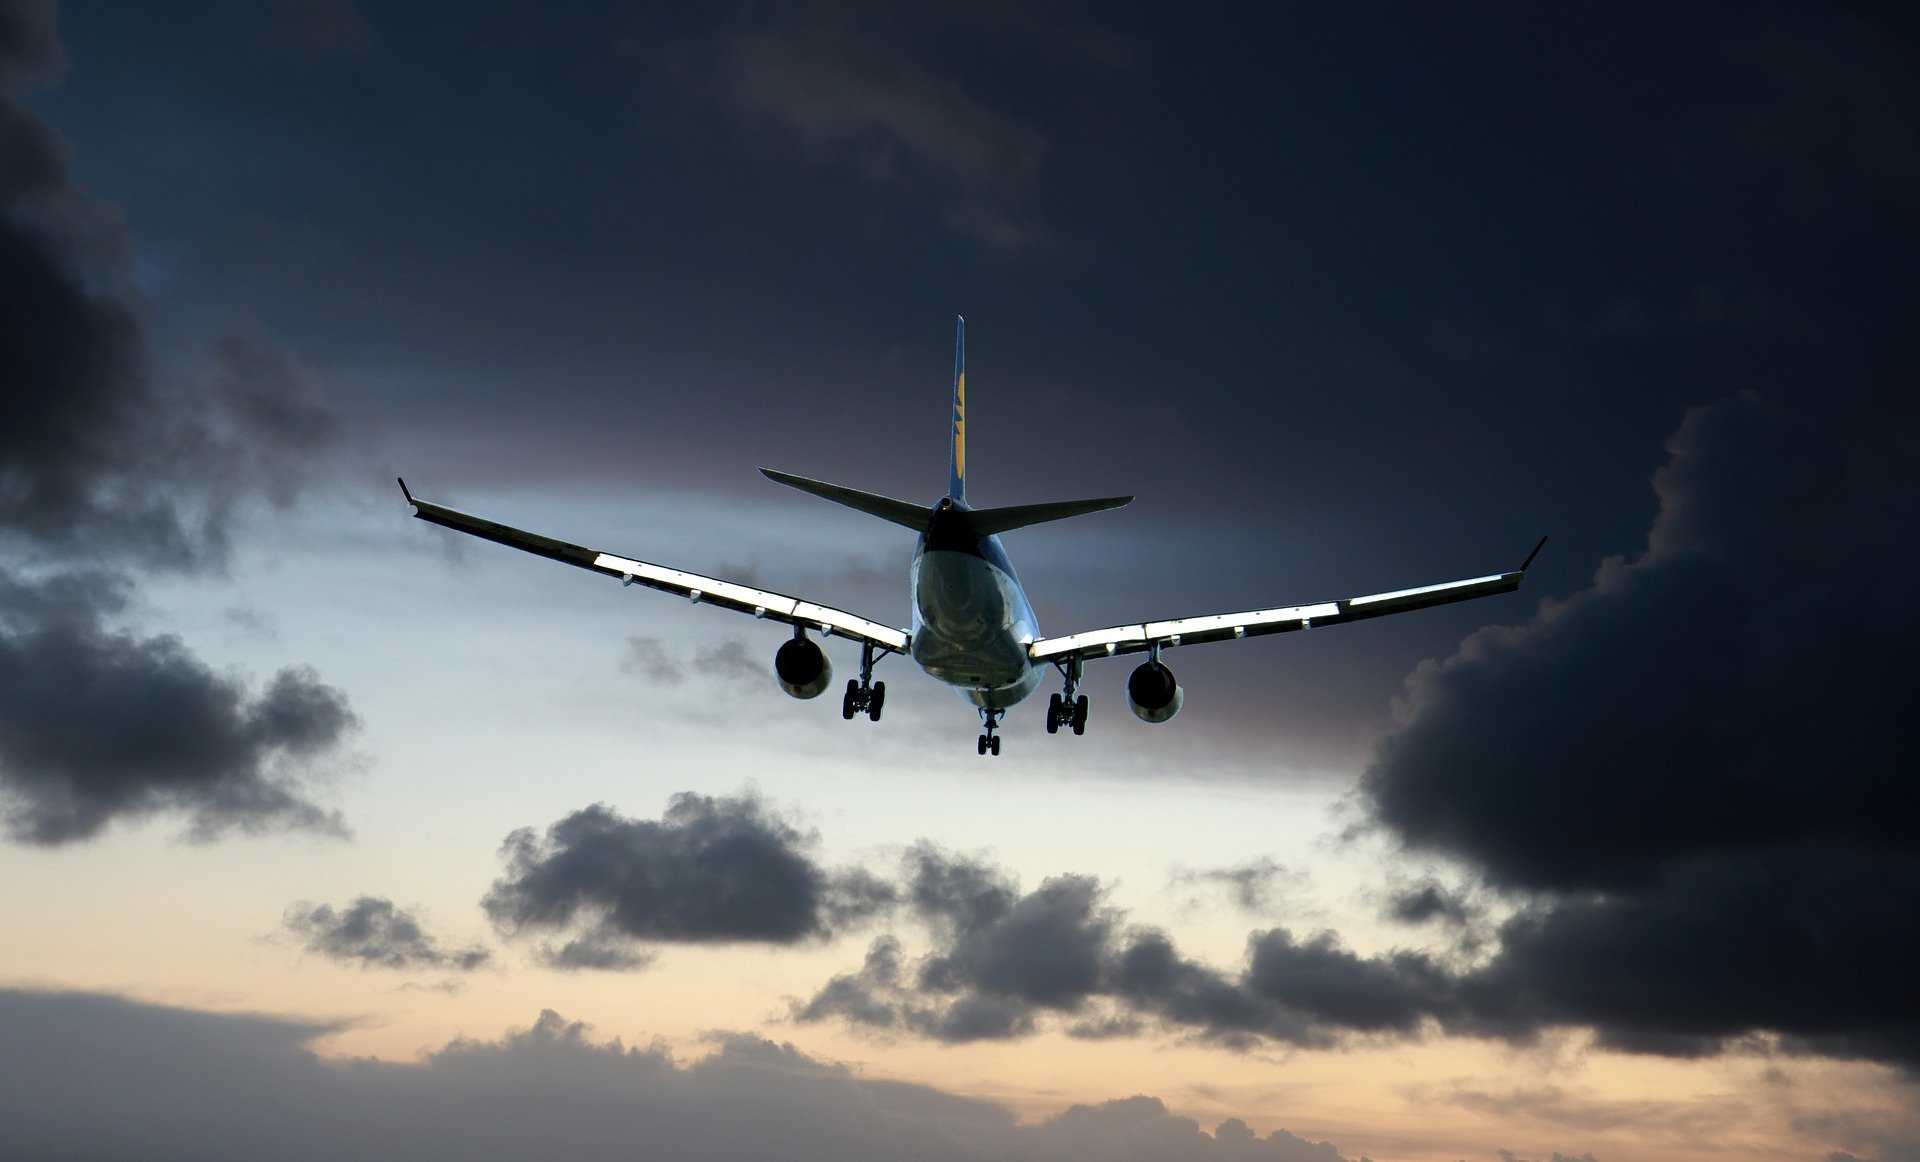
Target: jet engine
{"points": [[802, 668], [1153, 693]]}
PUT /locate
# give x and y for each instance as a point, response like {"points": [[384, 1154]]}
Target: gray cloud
{"points": [[98, 725], [98, 464], [652, 659], [596, 951], [375, 933], [195, 1085], [1427, 900], [647, 658], [710, 870], [1002, 960], [1254, 886]]}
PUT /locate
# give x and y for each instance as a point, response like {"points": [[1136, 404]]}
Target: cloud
{"points": [[98, 725], [374, 933], [1693, 773], [1427, 899], [875, 102], [647, 658], [1254, 886], [101, 466], [1002, 960], [728, 660], [596, 951], [710, 870], [188, 1084]]}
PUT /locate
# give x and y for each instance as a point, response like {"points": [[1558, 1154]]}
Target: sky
{"points": [[327, 835]]}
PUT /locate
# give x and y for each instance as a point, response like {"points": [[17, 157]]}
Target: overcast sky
{"points": [[459, 853]]}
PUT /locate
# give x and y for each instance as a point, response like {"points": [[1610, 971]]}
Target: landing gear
{"points": [[990, 742], [863, 693], [1065, 708]]}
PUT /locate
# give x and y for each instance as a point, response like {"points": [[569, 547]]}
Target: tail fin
{"points": [[957, 468]]}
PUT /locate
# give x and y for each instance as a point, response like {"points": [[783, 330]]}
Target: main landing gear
{"points": [[863, 693], [1064, 709], [990, 742]]}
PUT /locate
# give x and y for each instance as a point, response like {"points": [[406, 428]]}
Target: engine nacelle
{"points": [[1153, 693], [802, 668]]}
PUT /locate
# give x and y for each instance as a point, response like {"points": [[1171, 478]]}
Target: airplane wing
{"points": [[700, 590], [1142, 636]]}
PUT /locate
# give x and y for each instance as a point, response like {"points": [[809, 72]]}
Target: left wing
{"points": [[1133, 639], [700, 590]]}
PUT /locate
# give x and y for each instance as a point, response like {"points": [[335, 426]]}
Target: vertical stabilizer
{"points": [[957, 470]]}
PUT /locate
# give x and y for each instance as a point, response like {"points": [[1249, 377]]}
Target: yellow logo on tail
{"points": [[960, 426]]}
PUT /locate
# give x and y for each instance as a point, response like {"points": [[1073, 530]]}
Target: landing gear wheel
{"points": [[993, 744], [850, 703], [983, 744], [1053, 714], [1080, 714], [876, 698]]}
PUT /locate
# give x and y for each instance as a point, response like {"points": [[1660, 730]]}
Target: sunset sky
{"points": [[324, 834]]}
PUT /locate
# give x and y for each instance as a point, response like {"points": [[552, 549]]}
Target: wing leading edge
{"points": [[696, 588], [1142, 636]]}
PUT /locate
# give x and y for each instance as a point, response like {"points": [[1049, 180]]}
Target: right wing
{"points": [[1143, 636], [700, 590]]}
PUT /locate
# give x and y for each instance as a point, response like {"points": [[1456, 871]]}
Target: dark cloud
{"points": [[710, 870], [1002, 960], [1698, 765], [1254, 886], [1427, 900], [100, 465], [99, 725], [375, 933], [195, 1085]]}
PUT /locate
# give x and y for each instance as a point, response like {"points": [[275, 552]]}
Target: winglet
{"points": [[1532, 555], [404, 492]]}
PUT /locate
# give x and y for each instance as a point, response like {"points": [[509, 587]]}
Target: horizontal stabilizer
{"points": [[988, 521], [900, 512]]}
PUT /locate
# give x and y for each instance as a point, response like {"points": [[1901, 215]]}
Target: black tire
{"points": [[983, 744], [1053, 714], [876, 698], [846, 703], [1080, 714], [994, 744]]}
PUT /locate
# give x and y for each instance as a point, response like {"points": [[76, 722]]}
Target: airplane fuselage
{"points": [[972, 622]]}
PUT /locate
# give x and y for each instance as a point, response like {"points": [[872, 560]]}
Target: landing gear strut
{"points": [[990, 742], [863, 693], [1064, 708]]}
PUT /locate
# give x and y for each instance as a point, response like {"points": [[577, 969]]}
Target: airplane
{"points": [[973, 627]]}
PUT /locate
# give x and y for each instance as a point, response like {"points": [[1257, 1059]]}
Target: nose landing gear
{"points": [[989, 741], [864, 695], [1064, 708]]}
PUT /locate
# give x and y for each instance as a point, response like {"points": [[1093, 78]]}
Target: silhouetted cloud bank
{"points": [[185, 1084], [1697, 773]]}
